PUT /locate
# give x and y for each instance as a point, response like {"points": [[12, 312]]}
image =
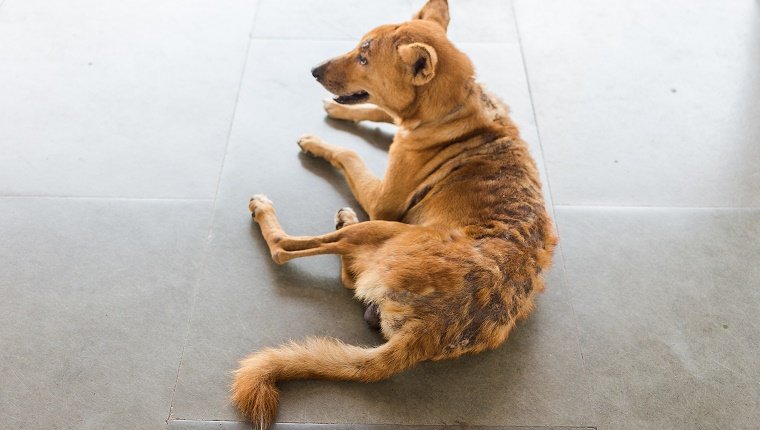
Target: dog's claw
{"points": [[300, 143], [257, 202], [330, 108], [337, 111], [308, 143], [328, 104], [306, 151]]}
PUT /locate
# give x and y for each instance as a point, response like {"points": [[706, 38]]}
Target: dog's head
{"points": [[399, 67]]}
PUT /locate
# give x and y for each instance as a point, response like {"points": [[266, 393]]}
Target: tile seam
{"points": [[565, 286], [391, 425], [644, 207], [209, 234], [116, 198]]}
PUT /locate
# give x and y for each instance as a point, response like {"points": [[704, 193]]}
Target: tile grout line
{"points": [[196, 287], [596, 206], [307, 425], [209, 234], [569, 295], [566, 286], [532, 102], [213, 199], [117, 198]]}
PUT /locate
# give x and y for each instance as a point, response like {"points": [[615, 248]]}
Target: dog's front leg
{"points": [[356, 113], [365, 186]]}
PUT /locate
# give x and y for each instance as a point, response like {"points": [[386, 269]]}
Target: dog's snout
{"points": [[319, 71]]}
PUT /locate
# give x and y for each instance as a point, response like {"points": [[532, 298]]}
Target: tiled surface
{"points": [[647, 103], [481, 21], [149, 118], [246, 303], [125, 99], [531, 381], [666, 302], [234, 425], [95, 300]]}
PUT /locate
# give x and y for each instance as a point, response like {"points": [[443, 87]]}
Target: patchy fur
{"points": [[458, 233]]}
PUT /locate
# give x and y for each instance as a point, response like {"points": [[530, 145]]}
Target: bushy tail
{"points": [[253, 388]]}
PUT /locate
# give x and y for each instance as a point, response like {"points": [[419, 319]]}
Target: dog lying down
{"points": [[458, 237]]}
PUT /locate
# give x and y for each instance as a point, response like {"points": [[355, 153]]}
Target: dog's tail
{"points": [[253, 388]]}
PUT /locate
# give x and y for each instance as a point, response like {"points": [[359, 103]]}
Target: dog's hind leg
{"points": [[356, 113], [343, 218], [346, 241]]}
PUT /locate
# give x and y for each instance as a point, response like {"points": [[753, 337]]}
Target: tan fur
{"points": [[458, 233]]}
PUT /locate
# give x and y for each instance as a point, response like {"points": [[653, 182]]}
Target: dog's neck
{"points": [[429, 122]]}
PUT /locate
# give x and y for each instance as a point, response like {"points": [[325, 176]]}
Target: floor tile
{"points": [[234, 425], [666, 302], [96, 297], [481, 21], [246, 302], [647, 103], [118, 99]]}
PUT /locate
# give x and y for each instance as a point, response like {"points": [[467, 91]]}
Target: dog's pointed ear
{"points": [[436, 11], [421, 60]]}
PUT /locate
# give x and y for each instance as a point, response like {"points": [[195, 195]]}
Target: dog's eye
{"points": [[362, 60]]}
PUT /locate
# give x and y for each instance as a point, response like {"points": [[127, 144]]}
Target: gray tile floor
{"points": [[132, 279]]}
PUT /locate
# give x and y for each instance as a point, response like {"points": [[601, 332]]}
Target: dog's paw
{"points": [[336, 110], [344, 217], [314, 146], [259, 202]]}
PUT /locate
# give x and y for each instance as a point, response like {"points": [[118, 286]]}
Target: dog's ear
{"points": [[421, 60], [436, 11]]}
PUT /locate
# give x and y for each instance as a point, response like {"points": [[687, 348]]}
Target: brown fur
{"points": [[458, 234]]}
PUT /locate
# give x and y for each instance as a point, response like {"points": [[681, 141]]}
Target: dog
{"points": [[458, 234]]}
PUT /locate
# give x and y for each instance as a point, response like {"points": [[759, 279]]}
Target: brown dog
{"points": [[458, 234]]}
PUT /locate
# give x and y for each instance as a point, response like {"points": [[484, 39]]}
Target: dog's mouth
{"points": [[353, 98]]}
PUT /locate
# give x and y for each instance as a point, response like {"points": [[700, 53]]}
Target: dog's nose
{"points": [[319, 71]]}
